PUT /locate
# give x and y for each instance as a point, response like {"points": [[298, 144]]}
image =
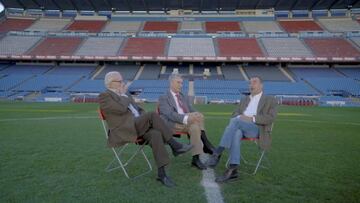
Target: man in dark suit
{"points": [[253, 118], [179, 115], [128, 122]]}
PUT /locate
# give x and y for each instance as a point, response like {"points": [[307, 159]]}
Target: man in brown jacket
{"points": [[253, 118], [127, 122]]}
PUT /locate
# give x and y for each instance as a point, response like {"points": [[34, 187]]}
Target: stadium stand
{"points": [[285, 47], [100, 46], [150, 72], [49, 24], [336, 86], [269, 73], [11, 81], [314, 71], [214, 27], [128, 71], [92, 26], [351, 72], [37, 69], [294, 26], [232, 72], [16, 45], [239, 47], [73, 70], [191, 47], [120, 26], [339, 24], [48, 83], [56, 46], [144, 47], [15, 24], [288, 88], [83, 86], [332, 47], [169, 27], [356, 40], [191, 26], [260, 26]]}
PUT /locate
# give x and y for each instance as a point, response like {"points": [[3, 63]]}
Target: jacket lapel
{"points": [[261, 103], [171, 99]]}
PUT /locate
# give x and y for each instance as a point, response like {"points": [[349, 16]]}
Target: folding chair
{"points": [[261, 153], [118, 152]]}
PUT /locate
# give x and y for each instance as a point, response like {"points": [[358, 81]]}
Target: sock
{"points": [[233, 166], [174, 144], [219, 150], [161, 172]]}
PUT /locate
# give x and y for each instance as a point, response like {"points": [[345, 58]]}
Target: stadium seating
{"points": [[191, 47], [342, 86], [128, 71], [86, 86], [100, 46], [353, 72], [120, 26], [260, 26], [288, 88], [356, 40], [56, 46], [150, 72], [92, 26], [267, 73], [49, 24], [169, 27], [15, 24], [191, 26], [27, 69], [232, 72], [293, 26], [285, 47], [314, 71], [144, 47], [11, 81], [332, 47], [239, 47], [339, 24], [15, 45], [47, 83], [213, 27], [73, 70], [183, 69]]}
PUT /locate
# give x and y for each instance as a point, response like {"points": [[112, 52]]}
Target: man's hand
{"points": [[246, 118], [195, 117]]}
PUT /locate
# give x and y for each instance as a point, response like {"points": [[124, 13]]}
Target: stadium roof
{"points": [[165, 5]]}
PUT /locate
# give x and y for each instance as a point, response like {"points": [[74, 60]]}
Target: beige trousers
{"points": [[194, 130]]}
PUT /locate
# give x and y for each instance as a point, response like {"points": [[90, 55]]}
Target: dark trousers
{"points": [[156, 133]]}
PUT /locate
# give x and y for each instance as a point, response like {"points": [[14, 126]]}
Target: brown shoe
{"points": [[230, 174]]}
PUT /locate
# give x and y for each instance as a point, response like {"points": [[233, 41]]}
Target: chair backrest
{"points": [[256, 138], [103, 122]]}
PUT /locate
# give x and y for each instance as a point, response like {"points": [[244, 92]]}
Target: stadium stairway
{"points": [[191, 91], [141, 69], [286, 74], [242, 71], [98, 71]]}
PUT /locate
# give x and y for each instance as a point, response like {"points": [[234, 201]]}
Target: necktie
{"points": [[181, 104], [133, 110]]}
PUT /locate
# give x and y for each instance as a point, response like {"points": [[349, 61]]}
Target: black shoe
{"points": [[166, 181], [198, 164], [213, 160], [184, 148], [208, 150], [230, 174]]}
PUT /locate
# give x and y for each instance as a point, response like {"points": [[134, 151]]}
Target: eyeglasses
{"points": [[119, 81]]}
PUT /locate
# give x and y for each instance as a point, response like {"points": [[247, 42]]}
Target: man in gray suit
{"points": [[128, 122], [253, 118], [179, 115]]}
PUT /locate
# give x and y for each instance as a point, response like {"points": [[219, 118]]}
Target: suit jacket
{"points": [[265, 116], [119, 118], [168, 111]]}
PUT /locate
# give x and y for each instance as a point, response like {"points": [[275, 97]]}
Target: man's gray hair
{"points": [[174, 76], [109, 77]]}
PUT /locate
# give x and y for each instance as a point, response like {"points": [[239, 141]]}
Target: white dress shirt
{"points": [[252, 107], [178, 108]]}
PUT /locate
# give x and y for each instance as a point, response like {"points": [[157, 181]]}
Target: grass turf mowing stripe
{"points": [[212, 190]]}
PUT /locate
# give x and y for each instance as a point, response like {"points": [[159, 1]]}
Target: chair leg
{"points": [[122, 165]]}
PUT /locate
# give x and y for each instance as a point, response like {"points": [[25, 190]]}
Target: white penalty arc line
{"points": [[212, 189]]}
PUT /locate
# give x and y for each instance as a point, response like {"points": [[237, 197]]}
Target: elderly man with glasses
{"points": [[127, 122]]}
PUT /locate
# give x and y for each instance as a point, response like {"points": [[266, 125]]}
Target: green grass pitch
{"points": [[55, 152]]}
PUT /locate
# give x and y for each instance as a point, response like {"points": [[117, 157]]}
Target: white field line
{"points": [[47, 118], [212, 189]]}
